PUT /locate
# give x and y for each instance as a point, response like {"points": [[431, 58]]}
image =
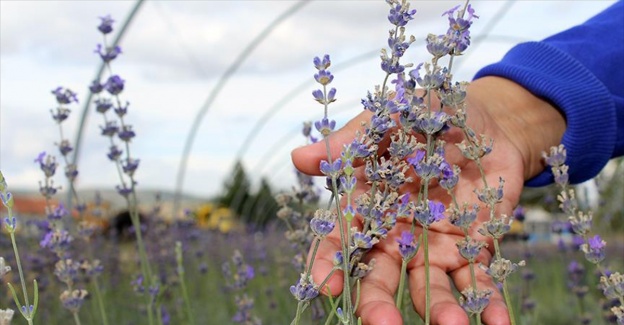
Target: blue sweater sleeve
{"points": [[581, 72]]}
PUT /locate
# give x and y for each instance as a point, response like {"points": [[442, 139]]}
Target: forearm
{"points": [[580, 72]]}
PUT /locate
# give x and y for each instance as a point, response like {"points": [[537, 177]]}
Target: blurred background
{"points": [[175, 56]]}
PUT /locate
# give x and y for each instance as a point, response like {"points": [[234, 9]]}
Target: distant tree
{"points": [[262, 208], [235, 190]]}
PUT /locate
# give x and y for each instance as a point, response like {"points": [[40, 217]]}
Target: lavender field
{"points": [[397, 197]]}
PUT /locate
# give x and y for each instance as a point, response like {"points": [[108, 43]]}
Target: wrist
{"points": [[530, 124]]}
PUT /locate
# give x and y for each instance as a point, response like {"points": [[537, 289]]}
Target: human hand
{"points": [[504, 112]]}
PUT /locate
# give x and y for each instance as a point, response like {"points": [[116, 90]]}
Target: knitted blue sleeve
{"points": [[581, 72]]}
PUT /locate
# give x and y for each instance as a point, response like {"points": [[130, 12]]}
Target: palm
{"points": [[377, 304]]}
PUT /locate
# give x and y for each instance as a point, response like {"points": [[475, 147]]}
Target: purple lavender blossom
{"points": [[458, 32], [331, 170], [432, 123], [106, 24], [426, 216], [519, 213], [474, 301], [304, 290], [124, 190], [557, 156], [130, 166], [437, 45], [594, 249], [424, 169], [114, 85], [338, 260], [400, 15], [64, 95], [126, 133], [122, 110], [47, 164], [324, 77], [322, 64], [407, 246], [107, 54], [470, 248], [449, 175], [9, 223], [58, 213], [60, 115], [73, 300], [364, 241], [65, 147], [325, 126], [110, 129], [57, 240], [114, 153], [322, 223], [96, 87], [465, 217], [102, 105]]}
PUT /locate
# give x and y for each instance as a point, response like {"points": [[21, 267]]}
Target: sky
{"points": [[174, 54]]}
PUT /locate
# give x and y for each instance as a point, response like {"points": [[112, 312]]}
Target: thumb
{"points": [[308, 158]]}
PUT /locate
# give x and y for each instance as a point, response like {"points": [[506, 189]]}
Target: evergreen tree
{"points": [[235, 190]]}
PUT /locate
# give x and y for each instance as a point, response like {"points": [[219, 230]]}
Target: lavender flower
{"points": [[114, 85], [322, 64], [107, 53], [58, 213], [325, 126], [465, 217], [496, 227], [47, 164], [426, 216], [126, 133], [324, 77], [594, 249], [331, 170], [474, 301], [102, 105], [73, 300], [106, 24], [96, 87], [304, 289], [64, 95], [612, 285], [66, 270], [501, 268], [400, 14], [470, 248], [322, 223], [407, 246]]}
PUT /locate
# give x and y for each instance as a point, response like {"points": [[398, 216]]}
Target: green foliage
{"points": [[253, 208]]}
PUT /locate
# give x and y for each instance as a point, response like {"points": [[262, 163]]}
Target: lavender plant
{"points": [[237, 274], [58, 240], [413, 124], [117, 129], [593, 247], [85, 230], [27, 310]]}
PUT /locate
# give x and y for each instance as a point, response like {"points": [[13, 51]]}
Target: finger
{"points": [[308, 158], [444, 306], [496, 312], [324, 261], [324, 264], [378, 288]]}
